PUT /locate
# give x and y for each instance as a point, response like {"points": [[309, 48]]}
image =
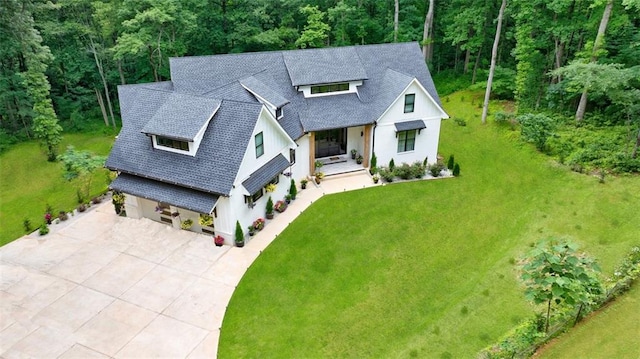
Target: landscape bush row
{"points": [[415, 170], [584, 147]]}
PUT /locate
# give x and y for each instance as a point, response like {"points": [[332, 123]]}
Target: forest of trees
{"points": [[62, 60]]}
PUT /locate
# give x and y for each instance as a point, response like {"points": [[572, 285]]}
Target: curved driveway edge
{"points": [[103, 286]]}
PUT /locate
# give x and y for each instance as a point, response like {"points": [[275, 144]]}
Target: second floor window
{"points": [[259, 145], [409, 102]]}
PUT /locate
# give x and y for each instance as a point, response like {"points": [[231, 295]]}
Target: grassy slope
{"points": [[388, 271], [611, 333], [29, 182]]}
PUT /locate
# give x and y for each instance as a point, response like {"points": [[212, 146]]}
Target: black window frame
{"points": [[409, 105], [292, 155], [259, 146], [336, 87], [279, 113], [171, 143], [403, 137]]}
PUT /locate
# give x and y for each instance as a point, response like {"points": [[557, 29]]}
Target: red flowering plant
{"points": [[218, 240], [258, 224], [47, 217], [280, 206]]}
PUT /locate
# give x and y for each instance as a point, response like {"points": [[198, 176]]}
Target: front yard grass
{"points": [[424, 269], [29, 182]]}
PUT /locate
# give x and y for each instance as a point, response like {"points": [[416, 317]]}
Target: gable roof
{"points": [[181, 116], [214, 167], [258, 88], [321, 66]]}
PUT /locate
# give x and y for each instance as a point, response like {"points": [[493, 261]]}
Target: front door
{"points": [[331, 142]]}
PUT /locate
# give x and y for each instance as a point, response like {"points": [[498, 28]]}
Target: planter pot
{"points": [[288, 201], [317, 180], [269, 215], [375, 180], [353, 156], [218, 244], [252, 234], [240, 244], [303, 186]]}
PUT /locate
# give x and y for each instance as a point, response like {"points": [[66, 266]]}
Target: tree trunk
{"points": [[104, 111], [396, 14], [494, 55], [104, 80], [635, 149], [475, 66], [121, 73], [578, 315], [467, 57], [427, 43], [546, 326], [582, 105]]}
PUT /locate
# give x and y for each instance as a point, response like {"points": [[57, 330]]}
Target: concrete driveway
{"points": [[103, 286]]}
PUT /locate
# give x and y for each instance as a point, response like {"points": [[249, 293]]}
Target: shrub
{"points": [[62, 215], [460, 121], [374, 161], [425, 162], [186, 224], [239, 233], [293, 190], [26, 223], [392, 165], [386, 174], [456, 170], [269, 206], [435, 169], [450, 163], [403, 171], [536, 128], [44, 229], [417, 169], [205, 220]]}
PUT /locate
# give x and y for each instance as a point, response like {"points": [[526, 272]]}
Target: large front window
{"points": [[171, 143], [406, 140], [331, 142], [259, 145]]}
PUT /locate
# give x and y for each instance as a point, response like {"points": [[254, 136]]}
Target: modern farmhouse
{"points": [[208, 142]]}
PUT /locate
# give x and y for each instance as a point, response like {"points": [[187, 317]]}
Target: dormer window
{"points": [[279, 113], [171, 143], [343, 86]]}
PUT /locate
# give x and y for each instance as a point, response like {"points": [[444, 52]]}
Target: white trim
{"points": [[443, 113], [306, 89]]}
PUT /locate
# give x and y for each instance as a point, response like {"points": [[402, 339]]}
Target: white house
{"points": [[209, 141]]}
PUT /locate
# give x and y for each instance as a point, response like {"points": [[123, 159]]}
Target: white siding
{"points": [[355, 139], [426, 145]]}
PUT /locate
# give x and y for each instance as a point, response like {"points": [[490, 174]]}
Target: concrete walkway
{"points": [[103, 286]]}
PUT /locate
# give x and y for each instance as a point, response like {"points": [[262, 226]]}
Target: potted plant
{"points": [[318, 164], [47, 217], [218, 241], [269, 208], [258, 224], [186, 224], [287, 198], [82, 207], [293, 190], [375, 178], [62, 215], [270, 187], [205, 220], [118, 201], [303, 183], [252, 230], [359, 159], [239, 235], [319, 176], [353, 154], [280, 206]]}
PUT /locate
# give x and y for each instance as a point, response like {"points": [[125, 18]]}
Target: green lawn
{"points": [[424, 269], [610, 333], [29, 182]]}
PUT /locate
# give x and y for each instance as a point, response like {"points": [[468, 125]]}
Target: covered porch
{"points": [[333, 149]]}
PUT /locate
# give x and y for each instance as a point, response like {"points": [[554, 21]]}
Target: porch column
{"points": [[312, 153], [367, 145]]}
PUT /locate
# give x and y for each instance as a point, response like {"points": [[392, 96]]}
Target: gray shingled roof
{"points": [[322, 66], [410, 125], [214, 167], [385, 69], [266, 173], [259, 88], [192, 200], [181, 116]]}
